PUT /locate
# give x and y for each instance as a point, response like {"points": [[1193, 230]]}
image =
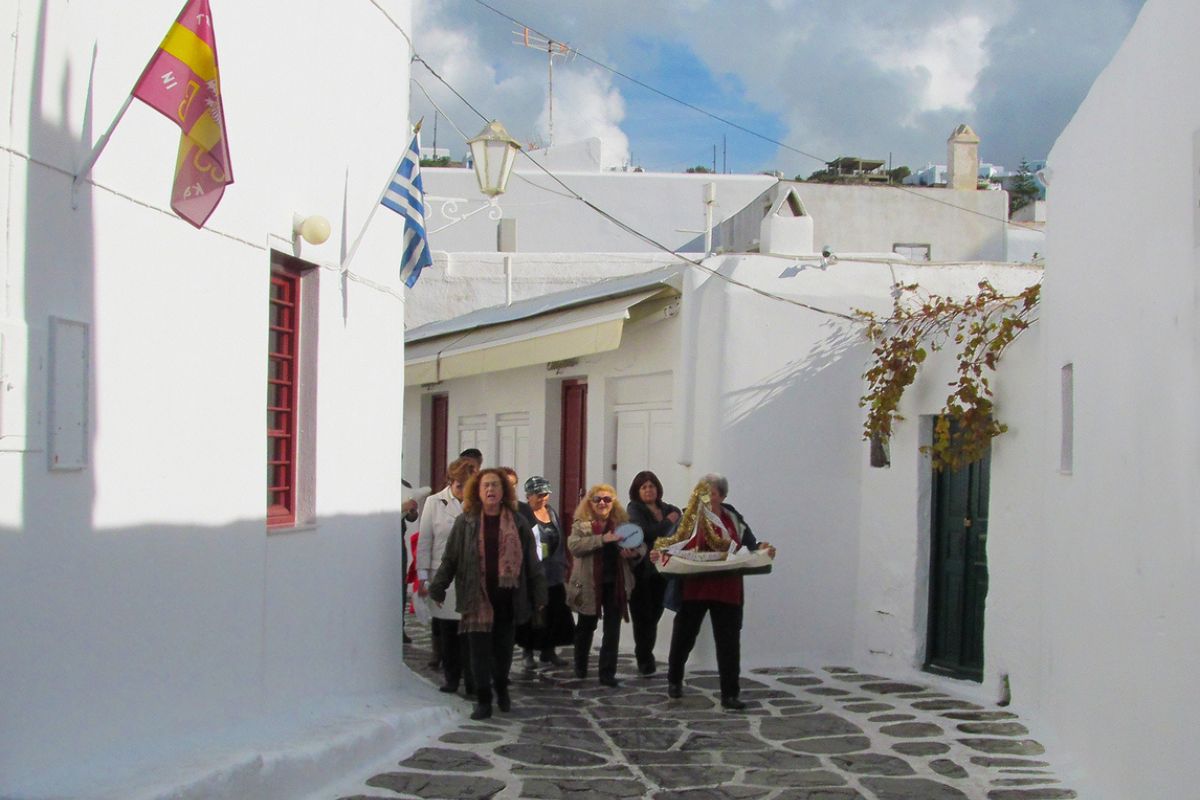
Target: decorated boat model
{"points": [[700, 545]]}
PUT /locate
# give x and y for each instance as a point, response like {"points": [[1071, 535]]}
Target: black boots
{"points": [[550, 657], [482, 711], [732, 703], [503, 701], [674, 691]]}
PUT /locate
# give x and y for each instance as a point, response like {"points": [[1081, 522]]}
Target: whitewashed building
{"points": [[686, 372], [538, 237], [151, 612], [1097, 489]]}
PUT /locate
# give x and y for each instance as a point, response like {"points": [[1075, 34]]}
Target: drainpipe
{"points": [[710, 200], [686, 373]]}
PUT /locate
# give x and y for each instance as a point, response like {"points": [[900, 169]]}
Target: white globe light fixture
{"points": [[493, 152], [314, 229]]}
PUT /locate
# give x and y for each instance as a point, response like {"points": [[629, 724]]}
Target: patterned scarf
{"points": [[599, 528], [508, 571]]}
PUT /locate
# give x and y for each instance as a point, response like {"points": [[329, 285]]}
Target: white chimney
{"points": [[787, 229], [962, 159]]}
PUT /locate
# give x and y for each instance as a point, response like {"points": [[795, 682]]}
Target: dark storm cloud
{"points": [[1042, 62]]}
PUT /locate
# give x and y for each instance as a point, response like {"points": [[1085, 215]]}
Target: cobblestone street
{"points": [[821, 734]]}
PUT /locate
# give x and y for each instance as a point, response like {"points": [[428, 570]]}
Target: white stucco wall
{"points": [[958, 225], [777, 410], [667, 207], [1112, 651], [143, 600]]}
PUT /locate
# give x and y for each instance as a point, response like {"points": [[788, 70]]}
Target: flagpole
{"points": [[379, 201], [101, 143], [371, 216]]}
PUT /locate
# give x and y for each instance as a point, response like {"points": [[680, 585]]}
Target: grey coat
{"points": [[581, 585], [460, 563]]}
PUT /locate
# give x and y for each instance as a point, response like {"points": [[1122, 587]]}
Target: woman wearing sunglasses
{"points": [[601, 579]]}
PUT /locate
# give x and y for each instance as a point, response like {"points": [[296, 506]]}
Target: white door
{"points": [[512, 434], [472, 432], [644, 441]]}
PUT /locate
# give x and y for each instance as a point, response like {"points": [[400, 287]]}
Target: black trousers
{"points": [[727, 633], [645, 610], [585, 628], [454, 652], [491, 658]]}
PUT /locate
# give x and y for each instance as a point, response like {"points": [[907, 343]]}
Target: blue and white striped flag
{"points": [[406, 197]]}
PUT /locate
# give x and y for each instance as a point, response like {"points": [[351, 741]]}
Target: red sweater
{"points": [[715, 588]]}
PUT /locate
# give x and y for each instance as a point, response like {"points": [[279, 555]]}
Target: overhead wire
{"points": [[629, 228], [654, 89], [742, 128]]}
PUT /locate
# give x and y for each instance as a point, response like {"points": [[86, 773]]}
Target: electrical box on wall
{"points": [[70, 368], [1196, 188]]}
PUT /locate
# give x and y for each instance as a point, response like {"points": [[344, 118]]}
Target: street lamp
{"points": [[493, 152]]}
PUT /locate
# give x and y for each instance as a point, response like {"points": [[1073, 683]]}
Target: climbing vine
{"points": [[979, 328]]}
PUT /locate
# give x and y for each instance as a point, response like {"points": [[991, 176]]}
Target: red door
{"points": [[438, 437], [574, 449]]}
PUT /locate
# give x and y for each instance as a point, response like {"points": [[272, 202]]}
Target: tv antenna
{"points": [[553, 49]]}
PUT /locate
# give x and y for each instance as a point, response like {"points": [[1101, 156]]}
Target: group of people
{"points": [[499, 573]]}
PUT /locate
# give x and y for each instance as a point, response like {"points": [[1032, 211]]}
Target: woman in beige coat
{"points": [[601, 579]]}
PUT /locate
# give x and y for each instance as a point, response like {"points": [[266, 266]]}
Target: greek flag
{"points": [[406, 197]]}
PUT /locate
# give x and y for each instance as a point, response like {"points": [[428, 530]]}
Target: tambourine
{"points": [[630, 534]]}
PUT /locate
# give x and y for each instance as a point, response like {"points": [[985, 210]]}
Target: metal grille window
{"points": [[281, 397]]}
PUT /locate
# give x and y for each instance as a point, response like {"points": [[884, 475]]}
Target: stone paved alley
{"points": [[819, 734]]}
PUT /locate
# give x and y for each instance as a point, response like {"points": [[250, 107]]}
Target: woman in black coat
{"points": [[656, 518], [549, 534]]}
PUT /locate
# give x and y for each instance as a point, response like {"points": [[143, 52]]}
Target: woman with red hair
{"points": [[498, 581]]}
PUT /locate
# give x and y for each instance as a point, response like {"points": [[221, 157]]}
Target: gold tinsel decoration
{"points": [[687, 523]]}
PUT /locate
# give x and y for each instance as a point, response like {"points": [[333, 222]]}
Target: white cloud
{"points": [[949, 57], [585, 105], [868, 77], [509, 83]]}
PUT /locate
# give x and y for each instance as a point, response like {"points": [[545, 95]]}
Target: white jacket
{"points": [[437, 518]]}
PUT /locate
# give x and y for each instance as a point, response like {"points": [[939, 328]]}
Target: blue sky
{"points": [[672, 137], [859, 77]]}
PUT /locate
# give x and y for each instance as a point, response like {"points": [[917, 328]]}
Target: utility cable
{"points": [[629, 228], [742, 128]]}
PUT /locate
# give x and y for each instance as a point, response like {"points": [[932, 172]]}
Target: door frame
{"points": [[568, 497], [972, 598]]}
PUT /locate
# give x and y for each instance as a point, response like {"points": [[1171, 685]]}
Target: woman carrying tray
{"points": [[712, 525]]}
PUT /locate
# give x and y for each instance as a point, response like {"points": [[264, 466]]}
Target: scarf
{"points": [[599, 529], [508, 569]]}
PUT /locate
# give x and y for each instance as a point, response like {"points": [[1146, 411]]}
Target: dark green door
{"points": [[958, 576]]}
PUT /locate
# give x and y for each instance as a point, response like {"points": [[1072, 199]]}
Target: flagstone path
{"points": [[822, 734]]}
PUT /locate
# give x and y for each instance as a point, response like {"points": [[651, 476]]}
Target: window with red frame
{"points": [[282, 385]]}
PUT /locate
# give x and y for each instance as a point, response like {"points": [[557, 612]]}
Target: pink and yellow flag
{"points": [[182, 82]]}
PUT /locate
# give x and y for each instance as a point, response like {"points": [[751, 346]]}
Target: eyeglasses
{"points": [[602, 501]]}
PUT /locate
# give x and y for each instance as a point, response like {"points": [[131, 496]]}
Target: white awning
{"points": [[555, 336]]}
